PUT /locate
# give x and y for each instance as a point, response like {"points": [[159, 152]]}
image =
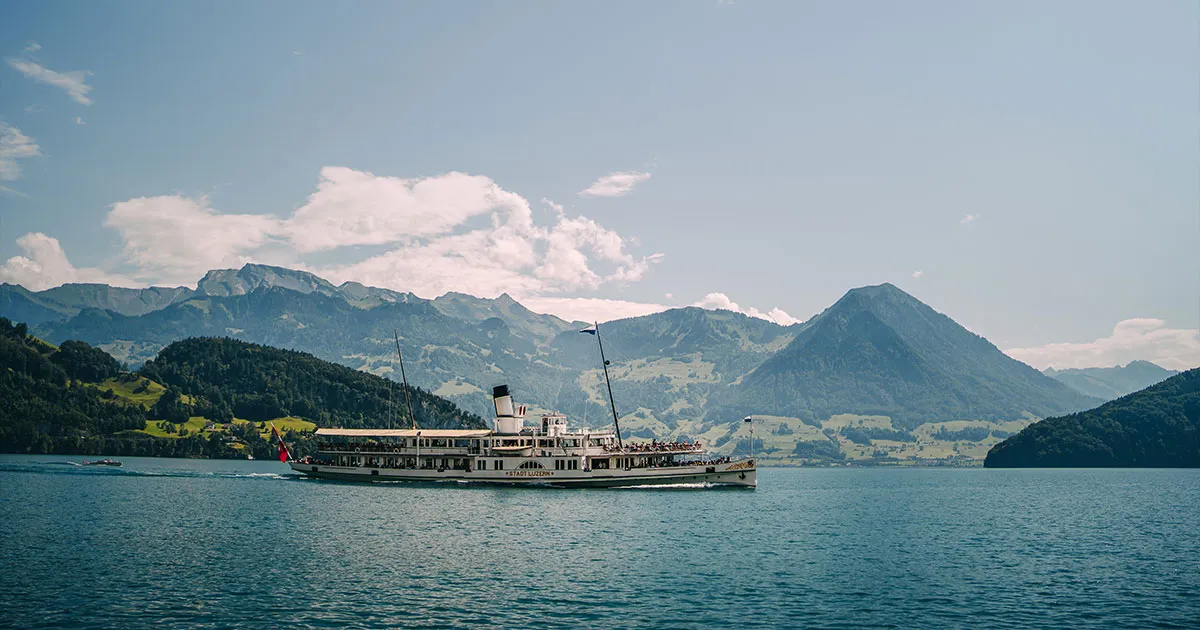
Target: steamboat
{"points": [[546, 453]]}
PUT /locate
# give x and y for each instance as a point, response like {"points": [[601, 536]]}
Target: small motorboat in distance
{"points": [[103, 462]]}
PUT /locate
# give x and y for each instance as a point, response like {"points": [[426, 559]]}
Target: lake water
{"points": [[245, 544]]}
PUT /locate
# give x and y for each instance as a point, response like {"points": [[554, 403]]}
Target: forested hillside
{"points": [[1156, 427], [43, 406], [199, 398], [255, 382]]}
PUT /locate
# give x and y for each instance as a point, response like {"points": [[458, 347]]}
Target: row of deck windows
{"points": [[439, 443]]}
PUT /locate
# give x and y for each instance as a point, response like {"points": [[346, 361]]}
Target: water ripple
{"points": [[177, 543]]}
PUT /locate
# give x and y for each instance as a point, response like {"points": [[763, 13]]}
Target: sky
{"points": [[1031, 169]]}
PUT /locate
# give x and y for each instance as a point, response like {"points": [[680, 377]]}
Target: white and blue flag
{"points": [[591, 330]]}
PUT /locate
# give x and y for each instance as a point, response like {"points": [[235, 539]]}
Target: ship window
{"points": [[528, 465], [573, 464], [483, 464]]}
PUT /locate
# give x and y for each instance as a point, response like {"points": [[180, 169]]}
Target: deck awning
{"points": [[405, 433]]}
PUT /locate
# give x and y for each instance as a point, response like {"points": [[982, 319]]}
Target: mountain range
{"points": [[1108, 383], [877, 353]]}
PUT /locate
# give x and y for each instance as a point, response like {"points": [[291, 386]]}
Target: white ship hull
{"points": [[740, 473]]}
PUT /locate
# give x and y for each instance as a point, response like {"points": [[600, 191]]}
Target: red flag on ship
{"points": [[284, 456]]}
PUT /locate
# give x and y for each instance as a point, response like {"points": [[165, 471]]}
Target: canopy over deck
{"points": [[405, 433]]}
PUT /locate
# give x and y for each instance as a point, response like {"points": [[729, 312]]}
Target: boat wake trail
{"points": [[76, 468], [670, 486]]}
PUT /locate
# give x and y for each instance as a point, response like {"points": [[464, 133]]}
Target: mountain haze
{"points": [[877, 352], [1112, 382]]}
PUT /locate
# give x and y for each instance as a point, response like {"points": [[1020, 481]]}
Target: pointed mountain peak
{"points": [[886, 291]]}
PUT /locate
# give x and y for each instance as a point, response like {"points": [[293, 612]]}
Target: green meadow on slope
{"points": [[199, 398]]}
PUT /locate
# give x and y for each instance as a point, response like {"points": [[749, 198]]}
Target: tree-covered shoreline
{"points": [[1157, 427], [204, 397]]}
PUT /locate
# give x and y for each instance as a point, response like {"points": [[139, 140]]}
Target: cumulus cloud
{"points": [[14, 146], [1132, 339], [451, 232], [722, 302], [969, 219], [74, 82], [174, 240], [45, 265], [358, 208], [591, 309], [79, 121], [615, 184]]}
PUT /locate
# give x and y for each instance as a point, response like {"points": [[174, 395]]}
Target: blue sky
{"points": [[1028, 168]]}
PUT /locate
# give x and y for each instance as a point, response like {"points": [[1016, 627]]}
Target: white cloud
{"points": [[969, 219], [1132, 339], [14, 146], [451, 232], [615, 184], [590, 309], [73, 82], [33, 109], [79, 121], [917, 274], [174, 240], [359, 208], [45, 265], [722, 301], [33, 47], [669, 296]]}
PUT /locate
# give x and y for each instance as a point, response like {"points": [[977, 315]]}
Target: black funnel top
{"points": [[499, 390]]}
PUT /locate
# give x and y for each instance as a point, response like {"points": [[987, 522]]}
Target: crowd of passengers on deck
{"points": [[654, 447], [375, 447]]}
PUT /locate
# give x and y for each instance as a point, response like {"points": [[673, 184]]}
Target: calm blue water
{"points": [[241, 544]]}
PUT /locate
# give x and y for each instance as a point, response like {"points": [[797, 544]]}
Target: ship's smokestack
{"points": [[508, 421], [503, 402]]}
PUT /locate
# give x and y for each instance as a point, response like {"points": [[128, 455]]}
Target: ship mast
{"points": [[611, 402], [407, 394]]}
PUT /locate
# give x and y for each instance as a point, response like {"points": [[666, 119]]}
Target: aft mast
{"points": [[407, 394], [595, 330]]}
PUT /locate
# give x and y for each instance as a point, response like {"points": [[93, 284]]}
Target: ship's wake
{"points": [[77, 469]]}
